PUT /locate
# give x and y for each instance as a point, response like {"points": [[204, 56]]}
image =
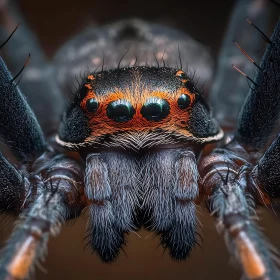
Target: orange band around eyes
{"points": [[101, 124]]}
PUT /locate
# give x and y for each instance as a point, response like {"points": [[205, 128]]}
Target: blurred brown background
{"points": [[57, 20]]}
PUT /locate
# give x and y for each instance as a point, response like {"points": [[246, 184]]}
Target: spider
{"points": [[129, 149]]}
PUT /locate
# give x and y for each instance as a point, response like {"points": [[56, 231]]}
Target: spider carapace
{"points": [[144, 128]]}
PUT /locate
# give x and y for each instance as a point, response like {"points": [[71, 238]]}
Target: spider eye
{"points": [[155, 109], [120, 110], [92, 105], [184, 101], [181, 75]]}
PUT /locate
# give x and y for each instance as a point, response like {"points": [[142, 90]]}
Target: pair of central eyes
{"points": [[155, 109]]}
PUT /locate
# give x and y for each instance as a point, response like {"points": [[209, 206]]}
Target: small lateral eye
{"points": [[120, 110], [92, 105], [184, 101], [182, 76]]}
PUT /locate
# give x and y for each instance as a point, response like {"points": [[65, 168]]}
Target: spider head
{"points": [[137, 107]]}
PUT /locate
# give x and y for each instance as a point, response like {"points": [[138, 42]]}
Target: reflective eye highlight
{"points": [[120, 110], [92, 105], [155, 109], [182, 76], [184, 101]]}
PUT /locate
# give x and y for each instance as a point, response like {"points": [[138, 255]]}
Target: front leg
{"points": [[235, 178], [56, 195]]}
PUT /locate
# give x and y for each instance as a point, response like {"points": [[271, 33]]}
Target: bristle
{"points": [[261, 32], [120, 61], [6, 41], [247, 55], [156, 60], [242, 73], [25, 64], [180, 59]]}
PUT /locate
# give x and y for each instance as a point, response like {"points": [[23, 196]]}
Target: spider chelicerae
{"points": [[129, 149]]}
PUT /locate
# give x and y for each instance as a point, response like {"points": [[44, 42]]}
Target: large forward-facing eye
{"points": [[155, 109], [92, 105], [120, 110]]}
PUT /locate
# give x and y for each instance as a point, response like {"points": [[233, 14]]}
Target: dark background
{"points": [[55, 21]]}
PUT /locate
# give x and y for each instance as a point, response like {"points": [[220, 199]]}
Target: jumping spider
{"points": [[131, 147]]}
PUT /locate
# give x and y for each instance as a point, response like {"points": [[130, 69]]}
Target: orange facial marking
{"points": [[90, 77], [90, 94], [88, 86], [252, 263], [101, 124], [181, 74]]}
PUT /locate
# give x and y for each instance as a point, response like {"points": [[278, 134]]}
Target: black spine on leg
{"points": [[18, 125], [267, 172], [262, 106], [12, 187]]}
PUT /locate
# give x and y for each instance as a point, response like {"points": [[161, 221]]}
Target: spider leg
{"points": [[28, 242], [52, 194], [38, 80], [231, 190], [18, 124], [229, 173], [234, 212], [22, 134], [114, 195], [262, 105], [267, 171], [169, 198], [13, 187], [58, 197], [229, 89], [259, 116]]}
